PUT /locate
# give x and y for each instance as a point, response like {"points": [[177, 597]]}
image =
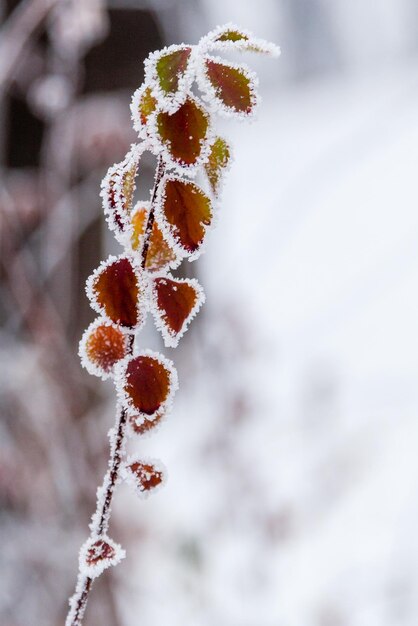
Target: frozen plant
{"points": [[176, 125]]}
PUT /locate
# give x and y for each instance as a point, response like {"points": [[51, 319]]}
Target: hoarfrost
{"points": [[145, 475], [161, 315]]}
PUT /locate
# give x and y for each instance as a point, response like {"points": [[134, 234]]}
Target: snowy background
{"points": [[292, 450]]}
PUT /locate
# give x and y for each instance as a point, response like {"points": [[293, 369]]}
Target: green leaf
{"points": [[217, 162]]}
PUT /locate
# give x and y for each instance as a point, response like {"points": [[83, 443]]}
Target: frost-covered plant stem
{"points": [[151, 216], [84, 584], [175, 125]]}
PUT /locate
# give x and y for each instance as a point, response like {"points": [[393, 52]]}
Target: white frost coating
{"points": [[86, 362], [249, 43], [97, 524], [94, 570], [210, 95], [113, 183], [171, 339], [120, 382], [142, 282], [167, 229], [143, 204], [140, 128], [156, 422], [133, 481], [161, 148], [170, 102]]}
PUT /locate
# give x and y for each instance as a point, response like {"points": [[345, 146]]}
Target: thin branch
{"points": [[101, 517], [151, 216]]}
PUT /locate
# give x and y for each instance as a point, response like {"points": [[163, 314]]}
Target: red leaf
{"points": [[232, 86], [183, 213], [146, 383], [99, 553], [183, 134], [114, 289], [175, 304], [141, 426], [145, 476]]}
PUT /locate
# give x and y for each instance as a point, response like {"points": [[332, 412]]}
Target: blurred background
{"points": [[292, 450]]}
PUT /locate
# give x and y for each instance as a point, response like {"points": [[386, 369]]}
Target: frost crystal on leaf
{"points": [[146, 384], [175, 302], [139, 425], [182, 137], [230, 88], [142, 105], [231, 37], [99, 553], [116, 291], [184, 213], [217, 164], [160, 255], [117, 191], [102, 345], [145, 475], [170, 73]]}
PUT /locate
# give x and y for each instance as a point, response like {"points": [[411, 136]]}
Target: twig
{"points": [[101, 517], [150, 222]]}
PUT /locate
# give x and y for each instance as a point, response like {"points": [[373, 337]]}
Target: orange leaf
{"points": [[101, 347], [143, 104], [159, 254]]}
